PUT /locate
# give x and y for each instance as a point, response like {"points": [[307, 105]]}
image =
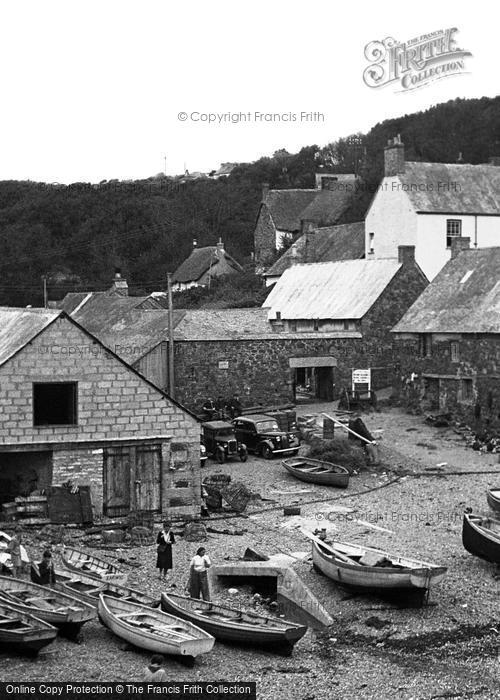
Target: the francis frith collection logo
{"points": [[414, 63]]}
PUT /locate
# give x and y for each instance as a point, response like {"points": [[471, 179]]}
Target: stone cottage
{"points": [[282, 212], [71, 409], [203, 265], [427, 205], [448, 342]]}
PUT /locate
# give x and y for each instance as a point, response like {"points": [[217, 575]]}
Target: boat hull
{"points": [[281, 638], [23, 634], [137, 625], [58, 609], [480, 541], [493, 498], [338, 476], [383, 579], [88, 589], [93, 567]]}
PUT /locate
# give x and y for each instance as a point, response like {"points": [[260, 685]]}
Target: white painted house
{"points": [[426, 205]]}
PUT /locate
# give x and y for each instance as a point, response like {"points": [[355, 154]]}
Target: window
{"points": [[467, 390], [55, 403], [316, 324], [425, 349], [453, 230], [454, 351], [292, 326], [371, 242]]}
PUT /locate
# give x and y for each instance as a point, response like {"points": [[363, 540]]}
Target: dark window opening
{"points": [[316, 324], [292, 326], [467, 389], [55, 403], [425, 345]]}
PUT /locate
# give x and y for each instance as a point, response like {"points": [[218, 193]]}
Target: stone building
{"points": [[282, 213], [448, 342], [427, 205], [203, 265], [71, 409]]}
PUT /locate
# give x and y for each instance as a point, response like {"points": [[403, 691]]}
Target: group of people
{"points": [[222, 408], [198, 567], [42, 573]]}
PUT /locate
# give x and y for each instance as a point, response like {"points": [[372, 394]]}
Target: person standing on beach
{"points": [[14, 549], [198, 575], [165, 540]]}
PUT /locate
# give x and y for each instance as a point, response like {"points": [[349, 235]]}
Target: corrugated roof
{"points": [[463, 298], [331, 290], [452, 187], [328, 244], [20, 326], [200, 260]]}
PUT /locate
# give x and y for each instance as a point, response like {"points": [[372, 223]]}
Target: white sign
{"points": [[223, 364], [361, 376]]}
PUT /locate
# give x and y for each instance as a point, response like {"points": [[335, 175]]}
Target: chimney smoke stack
{"points": [[394, 157]]}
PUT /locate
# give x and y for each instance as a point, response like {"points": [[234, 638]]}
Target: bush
{"points": [[342, 452]]}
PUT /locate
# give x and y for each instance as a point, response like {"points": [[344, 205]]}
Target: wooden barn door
{"points": [[147, 490], [116, 474]]}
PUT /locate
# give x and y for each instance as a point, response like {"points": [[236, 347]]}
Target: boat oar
{"points": [[335, 552], [342, 425]]}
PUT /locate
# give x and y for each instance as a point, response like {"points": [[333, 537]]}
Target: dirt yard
{"points": [[412, 504]]}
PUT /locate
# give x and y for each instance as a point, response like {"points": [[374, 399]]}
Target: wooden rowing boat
{"points": [[81, 562], [23, 633], [58, 609], [316, 472], [88, 589], [153, 629], [481, 537], [235, 625], [367, 568], [493, 497]]}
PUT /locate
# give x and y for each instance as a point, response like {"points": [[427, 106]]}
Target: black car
{"points": [[262, 435], [220, 441]]}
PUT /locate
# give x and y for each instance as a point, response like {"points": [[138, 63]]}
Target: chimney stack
{"points": [[394, 157], [119, 285], [195, 243], [220, 247], [458, 244], [265, 191], [406, 254], [307, 230]]}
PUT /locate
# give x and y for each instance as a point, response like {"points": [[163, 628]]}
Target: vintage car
{"points": [[221, 443], [262, 435]]}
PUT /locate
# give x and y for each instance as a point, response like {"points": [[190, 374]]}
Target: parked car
{"points": [[262, 435], [221, 443]]}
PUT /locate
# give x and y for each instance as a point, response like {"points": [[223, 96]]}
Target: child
{"points": [[46, 570], [154, 672]]}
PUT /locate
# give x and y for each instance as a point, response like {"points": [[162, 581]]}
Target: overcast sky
{"points": [[92, 90]]}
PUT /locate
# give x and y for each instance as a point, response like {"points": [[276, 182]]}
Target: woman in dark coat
{"points": [[165, 540]]}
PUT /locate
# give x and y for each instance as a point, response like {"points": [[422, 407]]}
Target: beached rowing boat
{"points": [[316, 472], [235, 625], [481, 537], [88, 589], [81, 562], [153, 629], [493, 498], [23, 633]]}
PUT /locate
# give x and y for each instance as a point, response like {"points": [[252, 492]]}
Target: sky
{"points": [[98, 90]]}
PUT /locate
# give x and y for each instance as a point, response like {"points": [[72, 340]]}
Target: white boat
{"points": [[153, 629]]}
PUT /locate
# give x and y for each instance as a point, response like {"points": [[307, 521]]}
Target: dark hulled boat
{"points": [[315, 471], [481, 537]]}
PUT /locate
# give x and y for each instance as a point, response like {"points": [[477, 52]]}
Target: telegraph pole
{"points": [[171, 380], [45, 300]]}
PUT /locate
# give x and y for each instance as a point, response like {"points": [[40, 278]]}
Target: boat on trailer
{"points": [[58, 609], [23, 633], [153, 629], [481, 536], [314, 471], [95, 567], [493, 498], [88, 589], [234, 625], [373, 569]]}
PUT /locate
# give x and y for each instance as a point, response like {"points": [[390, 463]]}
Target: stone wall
{"points": [[439, 383]]}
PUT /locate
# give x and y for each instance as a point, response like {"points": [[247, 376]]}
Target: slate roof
{"points": [[18, 327], [463, 298], [328, 244], [330, 290], [475, 189], [200, 260], [239, 324]]}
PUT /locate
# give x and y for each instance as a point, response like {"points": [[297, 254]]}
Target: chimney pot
{"points": [[406, 254], [119, 285], [458, 244], [265, 190], [394, 157]]}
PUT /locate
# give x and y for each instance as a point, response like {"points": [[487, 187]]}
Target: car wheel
{"points": [[221, 456], [243, 456], [267, 453]]}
